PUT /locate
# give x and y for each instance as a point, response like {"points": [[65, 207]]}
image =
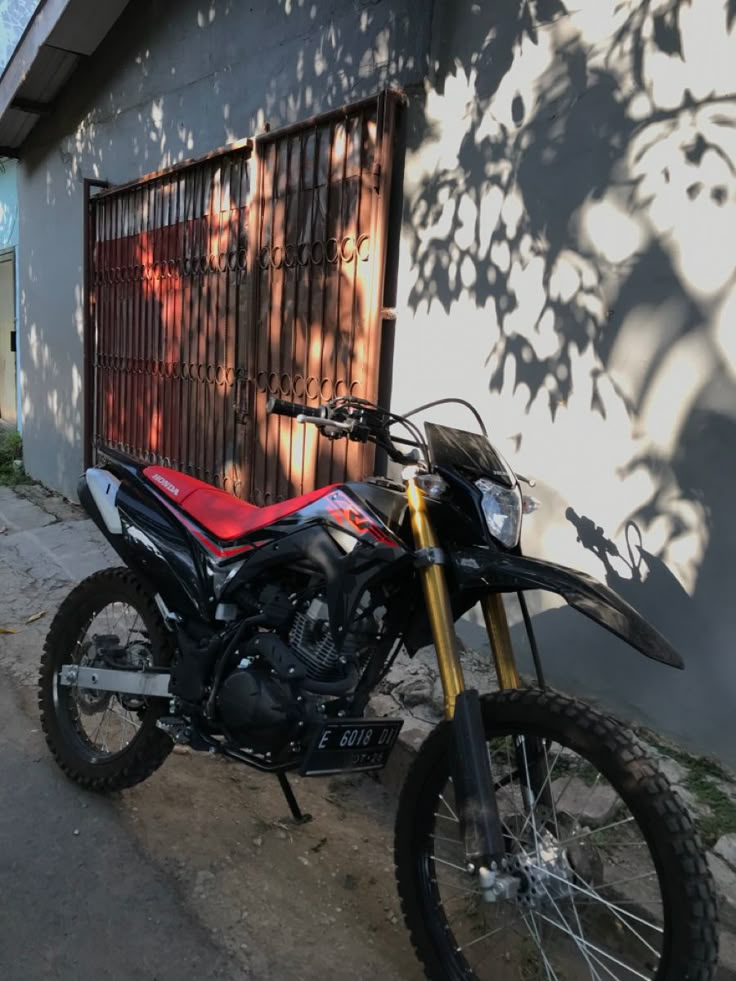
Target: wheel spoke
{"points": [[452, 865], [534, 931], [451, 885], [446, 817], [629, 878], [549, 779], [449, 841], [574, 839], [106, 727], [491, 933], [97, 730], [533, 803], [453, 815], [126, 718], [592, 894], [576, 937], [594, 948]]}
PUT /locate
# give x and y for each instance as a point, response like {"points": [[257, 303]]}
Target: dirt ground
{"points": [[312, 902], [321, 894]]}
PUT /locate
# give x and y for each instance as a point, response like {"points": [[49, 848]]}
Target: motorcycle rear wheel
{"points": [[105, 742], [613, 882]]}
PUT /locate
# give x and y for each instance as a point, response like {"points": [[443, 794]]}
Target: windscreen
{"points": [[471, 453]]}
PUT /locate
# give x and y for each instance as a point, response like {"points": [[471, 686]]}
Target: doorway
{"points": [[8, 391]]}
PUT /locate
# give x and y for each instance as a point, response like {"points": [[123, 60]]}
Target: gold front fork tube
{"points": [[494, 613], [437, 598]]}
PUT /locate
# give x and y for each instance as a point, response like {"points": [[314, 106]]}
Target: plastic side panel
{"points": [[104, 489]]}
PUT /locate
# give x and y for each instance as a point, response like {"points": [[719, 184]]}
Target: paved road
{"points": [[78, 900]]}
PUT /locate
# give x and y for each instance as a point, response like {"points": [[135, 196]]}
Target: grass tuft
{"points": [[11, 460]]}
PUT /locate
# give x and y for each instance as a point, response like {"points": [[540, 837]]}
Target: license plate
{"points": [[351, 745]]}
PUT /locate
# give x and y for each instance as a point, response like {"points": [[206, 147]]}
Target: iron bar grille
{"points": [[194, 329]]}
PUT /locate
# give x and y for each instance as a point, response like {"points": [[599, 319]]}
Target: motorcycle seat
{"points": [[224, 516]]}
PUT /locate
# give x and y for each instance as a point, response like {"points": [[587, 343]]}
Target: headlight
{"points": [[502, 509]]}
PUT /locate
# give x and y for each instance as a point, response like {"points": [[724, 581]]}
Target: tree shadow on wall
{"points": [[506, 225], [566, 150], [648, 584]]}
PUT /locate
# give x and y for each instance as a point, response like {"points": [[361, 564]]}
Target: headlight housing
{"points": [[502, 510]]}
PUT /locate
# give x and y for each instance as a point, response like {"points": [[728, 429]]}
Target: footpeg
{"points": [[177, 728]]}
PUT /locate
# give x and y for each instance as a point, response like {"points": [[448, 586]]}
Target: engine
{"points": [[311, 639], [257, 699]]}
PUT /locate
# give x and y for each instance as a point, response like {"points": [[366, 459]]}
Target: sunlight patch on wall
{"points": [[611, 231], [682, 373], [645, 333], [724, 331]]}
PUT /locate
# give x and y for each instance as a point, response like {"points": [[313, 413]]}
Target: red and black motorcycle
{"points": [[534, 838]]}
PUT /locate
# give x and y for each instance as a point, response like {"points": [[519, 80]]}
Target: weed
{"points": [[701, 779], [11, 460], [722, 817]]}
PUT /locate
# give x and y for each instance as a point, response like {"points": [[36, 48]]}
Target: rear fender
{"points": [[503, 572]]}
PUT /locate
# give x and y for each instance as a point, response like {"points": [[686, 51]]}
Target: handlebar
{"points": [[280, 407], [355, 419]]}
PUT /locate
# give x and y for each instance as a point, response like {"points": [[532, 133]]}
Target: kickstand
{"points": [[296, 811]]}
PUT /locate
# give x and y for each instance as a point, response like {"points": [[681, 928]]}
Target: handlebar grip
{"points": [[280, 407]]}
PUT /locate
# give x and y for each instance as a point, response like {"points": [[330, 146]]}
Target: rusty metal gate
{"points": [[168, 271], [257, 270]]}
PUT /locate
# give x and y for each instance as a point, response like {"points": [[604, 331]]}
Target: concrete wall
{"points": [[569, 265], [567, 262]]}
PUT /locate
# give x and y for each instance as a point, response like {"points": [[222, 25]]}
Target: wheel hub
{"points": [[545, 874]]}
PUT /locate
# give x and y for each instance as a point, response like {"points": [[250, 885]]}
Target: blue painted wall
{"points": [[14, 15], [8, 204]]}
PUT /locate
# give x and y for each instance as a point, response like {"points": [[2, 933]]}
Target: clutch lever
{"points": [[328, 424]]}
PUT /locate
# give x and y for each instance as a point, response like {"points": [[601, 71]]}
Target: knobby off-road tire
{"points": [[681, 877], [60, 718]]}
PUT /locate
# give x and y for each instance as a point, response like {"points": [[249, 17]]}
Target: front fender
{"points": [[504, 573]]}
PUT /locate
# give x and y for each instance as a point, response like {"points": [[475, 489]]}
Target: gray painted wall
{"points": [[567, 262]]}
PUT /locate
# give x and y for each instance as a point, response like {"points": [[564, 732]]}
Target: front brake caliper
{"points": [[496, 885]]}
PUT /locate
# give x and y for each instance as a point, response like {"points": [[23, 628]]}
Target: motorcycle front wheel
{"points": [[610, 879]]}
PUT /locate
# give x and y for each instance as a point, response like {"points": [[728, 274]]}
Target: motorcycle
{"points": [[534, 837]]}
